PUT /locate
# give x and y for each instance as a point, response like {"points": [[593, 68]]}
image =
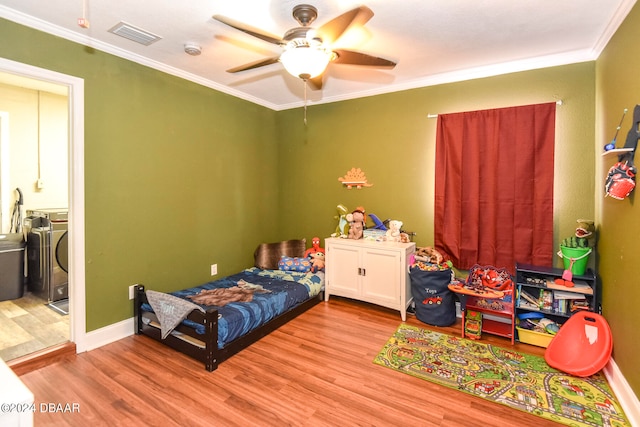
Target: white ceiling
{"points": [[433, 41]]}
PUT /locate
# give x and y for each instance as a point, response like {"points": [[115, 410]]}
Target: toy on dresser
{"points": [[356, 224], [393, 233], [342, 229]]}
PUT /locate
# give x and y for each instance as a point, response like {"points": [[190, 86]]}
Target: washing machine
{"points": [[47, 233]]}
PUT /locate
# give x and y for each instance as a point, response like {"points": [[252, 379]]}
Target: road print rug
{"points": [[521, 381]]}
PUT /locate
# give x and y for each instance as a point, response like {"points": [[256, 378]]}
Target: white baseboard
{"points": [[106, 335], [623, 392], [625, 395]]}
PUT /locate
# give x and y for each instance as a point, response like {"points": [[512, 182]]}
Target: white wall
{"points": [[37, 149]]}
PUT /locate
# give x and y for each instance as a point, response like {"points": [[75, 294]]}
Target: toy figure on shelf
{"points": [[315, 247], [586, 230], [342, 229], [356, 224], [393, 233]]}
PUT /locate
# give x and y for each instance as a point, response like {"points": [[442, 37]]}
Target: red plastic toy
{"points": [[582, 346]]}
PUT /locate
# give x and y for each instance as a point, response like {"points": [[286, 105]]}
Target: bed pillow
{"points": [[267, 255], [294, 263]]}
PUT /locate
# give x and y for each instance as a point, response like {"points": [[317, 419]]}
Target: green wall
{"points": [[391, 138], [393, 141], [177, 176], [618, 87]]}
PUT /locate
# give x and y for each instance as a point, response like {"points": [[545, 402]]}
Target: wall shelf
{"points": [[617, 151]]}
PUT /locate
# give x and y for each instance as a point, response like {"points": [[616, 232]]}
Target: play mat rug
{"points": [[521, 381]]}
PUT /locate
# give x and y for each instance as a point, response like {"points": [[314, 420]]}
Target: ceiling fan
{"points": [[307, 51]]}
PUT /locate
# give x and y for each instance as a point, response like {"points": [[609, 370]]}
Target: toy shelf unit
{"points": [[497, 315], [373, 272], [539, 295]]}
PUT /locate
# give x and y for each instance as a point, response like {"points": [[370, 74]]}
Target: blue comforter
{"points": [[286, 290]]}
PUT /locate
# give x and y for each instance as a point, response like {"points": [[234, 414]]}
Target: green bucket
{"points": [[575, 259]]}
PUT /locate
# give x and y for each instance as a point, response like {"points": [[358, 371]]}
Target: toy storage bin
{"points": [[435, 303], [534, 338], [575, 259]]}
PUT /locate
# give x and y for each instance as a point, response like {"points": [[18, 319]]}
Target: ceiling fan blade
{"points": [[332, 30], [256, 64], [315, 83], [351, 57], [249, 30]]}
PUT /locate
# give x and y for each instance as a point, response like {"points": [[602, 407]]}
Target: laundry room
{"points": [[34, 200]]}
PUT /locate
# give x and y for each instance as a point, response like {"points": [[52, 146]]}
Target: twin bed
{"points": [[216, 320]]}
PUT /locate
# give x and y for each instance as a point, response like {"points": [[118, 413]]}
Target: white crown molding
{"points": [[471, 74], [55, 30], [564, 58], [614, 24], [449, 77]]}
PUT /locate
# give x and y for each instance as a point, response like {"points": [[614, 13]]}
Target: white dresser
{"points": [[374, 272], [16, 399]]}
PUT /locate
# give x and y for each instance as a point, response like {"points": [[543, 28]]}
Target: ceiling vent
{"points": [[135, 34]]}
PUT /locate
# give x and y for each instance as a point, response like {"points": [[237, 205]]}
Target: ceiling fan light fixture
{"points": [[305, 60]]}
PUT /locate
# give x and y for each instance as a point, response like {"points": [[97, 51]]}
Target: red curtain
{"points": [[494, 186]]}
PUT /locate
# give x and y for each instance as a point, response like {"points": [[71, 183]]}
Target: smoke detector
{"points": [[192, 49]]}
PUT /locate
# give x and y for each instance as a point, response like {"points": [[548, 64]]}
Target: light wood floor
{"points": [[27, 325], [317, 370]]}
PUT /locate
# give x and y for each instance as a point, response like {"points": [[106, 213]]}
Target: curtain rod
{"points": [[435, 116]]}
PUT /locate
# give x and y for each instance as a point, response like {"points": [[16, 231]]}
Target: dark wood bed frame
{"points": [[210, 355]]}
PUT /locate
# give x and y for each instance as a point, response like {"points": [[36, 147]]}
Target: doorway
{"points": [[74, 88]]}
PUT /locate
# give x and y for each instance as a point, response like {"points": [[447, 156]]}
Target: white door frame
{"points": [[5, 209], [75, 86]]}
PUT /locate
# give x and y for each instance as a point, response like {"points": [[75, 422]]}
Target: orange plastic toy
{"points": [[582, 346]]}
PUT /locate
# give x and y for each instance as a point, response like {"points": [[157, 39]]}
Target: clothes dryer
{"points": [[47, 253]]}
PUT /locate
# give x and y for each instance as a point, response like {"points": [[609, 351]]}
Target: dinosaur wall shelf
{"points": [[354, 178]]}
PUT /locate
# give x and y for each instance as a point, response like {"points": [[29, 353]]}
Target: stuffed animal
{"points": [[342, 229], [393, 233], [491, 278], [356, 225], [317, 262], [429, 254], [586, 230], [315, 247], [364, 214]]}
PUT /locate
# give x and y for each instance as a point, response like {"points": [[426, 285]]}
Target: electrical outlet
{"points": [[132, 291], [214, 269]]}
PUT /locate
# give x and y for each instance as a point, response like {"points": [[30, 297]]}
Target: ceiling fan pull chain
{"points": [[304, 82]]}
